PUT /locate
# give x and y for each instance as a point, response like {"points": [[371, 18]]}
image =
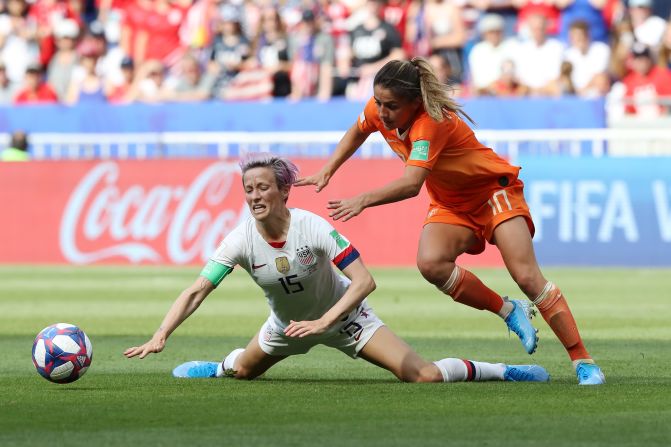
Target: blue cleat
{"points": [[196, 370], [526, 373], [589, 374], [519, 321]]}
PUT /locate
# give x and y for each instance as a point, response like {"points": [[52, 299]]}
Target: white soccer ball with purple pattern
{"points": [[62, 353]]}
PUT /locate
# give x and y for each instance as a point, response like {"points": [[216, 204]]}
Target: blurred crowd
{"points": [[124, 51]]}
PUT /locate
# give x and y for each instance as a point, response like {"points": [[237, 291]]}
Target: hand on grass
{"points": [[152, 346]]}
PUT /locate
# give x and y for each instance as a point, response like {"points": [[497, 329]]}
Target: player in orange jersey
{"points": [[476, 196]]}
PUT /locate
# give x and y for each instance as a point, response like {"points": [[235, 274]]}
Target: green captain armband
{"points": [[215, 272]]}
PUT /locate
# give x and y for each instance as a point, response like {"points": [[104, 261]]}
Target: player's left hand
{"points": [[345, 209], [301, 329]]}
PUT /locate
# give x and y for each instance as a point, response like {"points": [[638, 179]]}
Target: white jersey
{"points": [[298, 277]]}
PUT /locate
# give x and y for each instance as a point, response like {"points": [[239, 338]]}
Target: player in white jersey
{"points": [[290, 254], [296, 274]]}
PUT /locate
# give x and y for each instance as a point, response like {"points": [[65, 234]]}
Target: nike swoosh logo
{"points": [[254, 267]]}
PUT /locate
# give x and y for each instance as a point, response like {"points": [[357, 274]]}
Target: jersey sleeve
{"points": [[334, 245], [230, 253], [428, 139], [368, 119]]}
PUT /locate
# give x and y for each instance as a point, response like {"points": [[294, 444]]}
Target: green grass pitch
{"points": [[324, 398]]}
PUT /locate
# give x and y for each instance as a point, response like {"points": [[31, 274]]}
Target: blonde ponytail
{"points": [[436, 95], [416, 79]]}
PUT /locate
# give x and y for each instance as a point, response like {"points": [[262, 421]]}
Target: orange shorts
{"points": [[503, 204]]}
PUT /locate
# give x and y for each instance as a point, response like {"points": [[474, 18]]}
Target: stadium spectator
{"points": [[613, 11], [230, 47], [120, 91], [648, 28], [664, 55], [589, 61], [134, 13], [7, 87], [17, 149], [507, 84], [441, 66], [47, 14], [189, 82], [417, 36], [158, 35], [94, 35], [538, 60], [18, 48], [249, 13], [476, 197], [564, 85], [622, 39], [312, 55], [373, 43], [59, 71], [487, 57], [86, 86], [503, 8], [109, 9], [109, 56], [396, 13], [527, 9], [197, 30], [149, 85], [312, 306], [335, 16], [446, 32], [271, 35], [35, 90], [587, 11], [271, 49], [251, 83], [646, 84]]}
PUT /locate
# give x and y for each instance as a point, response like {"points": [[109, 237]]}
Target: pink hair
{"points": [[285, 171]]}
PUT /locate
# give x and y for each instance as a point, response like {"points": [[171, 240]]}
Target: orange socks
{"points": [[555, 311], [464, 287]]}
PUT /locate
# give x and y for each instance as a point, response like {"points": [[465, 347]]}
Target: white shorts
{"points": [[350, 337]]}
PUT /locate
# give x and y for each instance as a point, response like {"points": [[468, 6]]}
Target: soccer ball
{"points": [[62, 353]]}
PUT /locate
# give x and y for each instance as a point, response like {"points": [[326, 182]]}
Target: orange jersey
{"points": [[463, 171]]}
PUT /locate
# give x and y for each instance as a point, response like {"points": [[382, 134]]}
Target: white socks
{"points": [[506, 308], [225, 368], [457, 370]]}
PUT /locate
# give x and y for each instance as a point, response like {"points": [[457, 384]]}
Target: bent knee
{"points": [[529, 282], [436, 271]]}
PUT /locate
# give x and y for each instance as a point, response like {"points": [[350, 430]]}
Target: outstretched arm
{"points": [[362, 285], [187, 302], [346, 147], [400, 189]]}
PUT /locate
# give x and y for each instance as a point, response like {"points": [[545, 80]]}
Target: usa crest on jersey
{"points": [[282, 265], [305, 255]]}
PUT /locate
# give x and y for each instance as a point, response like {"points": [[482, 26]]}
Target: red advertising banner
{"points": [[177, 211]]}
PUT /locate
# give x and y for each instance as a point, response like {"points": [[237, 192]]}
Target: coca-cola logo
{"points": [[105, 221]]}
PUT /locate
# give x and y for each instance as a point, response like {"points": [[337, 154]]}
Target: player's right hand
{"points": [[152, 346], [320, 180]]}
